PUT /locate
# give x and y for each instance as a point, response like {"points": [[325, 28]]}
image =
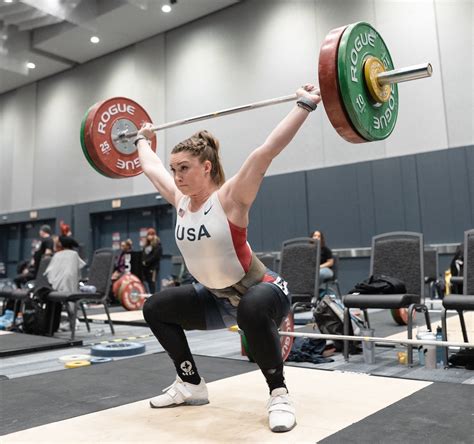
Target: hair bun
{"points": [[209, 139]]}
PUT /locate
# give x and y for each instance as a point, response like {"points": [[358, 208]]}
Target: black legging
{"points": [[259, 315]]}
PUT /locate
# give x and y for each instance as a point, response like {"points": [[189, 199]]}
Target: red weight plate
{"points": [[90, 147], [115, 159], [329, 86], [125, 279], [288, 325], [400, 315], [131, 296], [116, 285]]}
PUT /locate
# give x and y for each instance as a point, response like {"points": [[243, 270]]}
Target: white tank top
{"points": [[215, 250]]}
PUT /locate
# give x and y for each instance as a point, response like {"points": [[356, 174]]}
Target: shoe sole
{"points": [[281, 429], [183, 404]]}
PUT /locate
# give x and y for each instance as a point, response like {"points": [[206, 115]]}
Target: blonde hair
{"points": [[205, 146]]}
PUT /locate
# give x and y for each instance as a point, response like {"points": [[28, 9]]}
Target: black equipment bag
{"points": [[38, 312], [329, 317], [380, 284]]}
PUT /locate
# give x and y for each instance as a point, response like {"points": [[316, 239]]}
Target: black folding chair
{"points": [[461, 302], [299, 266], [430, 264], [19, 295], [100, 273], [400, 255], [268, 259]]}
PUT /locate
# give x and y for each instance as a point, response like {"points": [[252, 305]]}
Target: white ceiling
{"points": [[55, 34]]}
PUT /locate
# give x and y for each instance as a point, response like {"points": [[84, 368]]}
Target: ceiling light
{"points": [[95, 39], [7, 1], [166, 8], [30, 65]]}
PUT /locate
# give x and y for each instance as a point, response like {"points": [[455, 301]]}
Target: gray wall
{"points": [[251, 51]]}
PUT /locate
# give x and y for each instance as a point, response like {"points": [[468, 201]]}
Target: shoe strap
{"points": [[280, 403], [178, 391], [281, 407]]}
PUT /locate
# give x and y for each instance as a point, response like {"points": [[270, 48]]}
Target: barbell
{"points": [[287, 335], [358, 85]]}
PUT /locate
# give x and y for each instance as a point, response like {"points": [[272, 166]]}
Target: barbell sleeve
{"points": [[405, 74]]}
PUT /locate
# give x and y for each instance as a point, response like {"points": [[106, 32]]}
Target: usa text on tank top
{"points": [[215, 251]]}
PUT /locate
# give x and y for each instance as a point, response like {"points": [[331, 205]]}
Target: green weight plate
{"points": [[373, 121], [83, 143], [245, 344]]}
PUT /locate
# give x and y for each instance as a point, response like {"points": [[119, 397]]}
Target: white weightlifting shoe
{"points": [[281, 412], [181, 393]]}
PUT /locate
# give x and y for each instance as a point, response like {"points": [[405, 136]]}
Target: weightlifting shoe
{"points": [[181, 393], [281, 412]]}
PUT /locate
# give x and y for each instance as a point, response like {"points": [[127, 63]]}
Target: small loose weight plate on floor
{"points": [[118, 349], [77, 364], [69, 358], [99, 360]]}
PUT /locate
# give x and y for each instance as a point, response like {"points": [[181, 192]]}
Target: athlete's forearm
{"points": [[284, 132]]}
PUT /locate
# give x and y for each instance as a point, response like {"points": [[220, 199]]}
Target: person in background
{"points": [[65, 231], [46, 247], [25, 272], [327, 260], [122, 264], [457, 269], [63, 272], [151, 256]]}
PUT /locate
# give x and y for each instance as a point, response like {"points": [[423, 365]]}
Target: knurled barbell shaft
{"points": [[374, 339], [224, 112], [414, 72]]}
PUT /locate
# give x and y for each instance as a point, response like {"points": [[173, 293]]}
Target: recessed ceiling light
{"points": [[30, 65], [7, 1], [166, 8], [95, 39]]}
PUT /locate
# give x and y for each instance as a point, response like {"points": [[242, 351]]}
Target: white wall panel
{"points": [[149, 81], [250, 52], [7, 144], [455, 23], [409, 30], [23, 152]]}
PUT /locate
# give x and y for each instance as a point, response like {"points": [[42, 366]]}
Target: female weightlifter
{"points": [[232, 284]]}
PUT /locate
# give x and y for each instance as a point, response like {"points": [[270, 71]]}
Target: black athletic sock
{"points": [[187, 371], [275, 377]]}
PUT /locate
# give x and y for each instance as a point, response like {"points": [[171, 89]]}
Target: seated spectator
{"points": [[65, 230], [25, 272], [63, 271], [326, 261]]}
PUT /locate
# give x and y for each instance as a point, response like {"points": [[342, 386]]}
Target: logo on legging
{"points": [[282, 285], [187, 368]]}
